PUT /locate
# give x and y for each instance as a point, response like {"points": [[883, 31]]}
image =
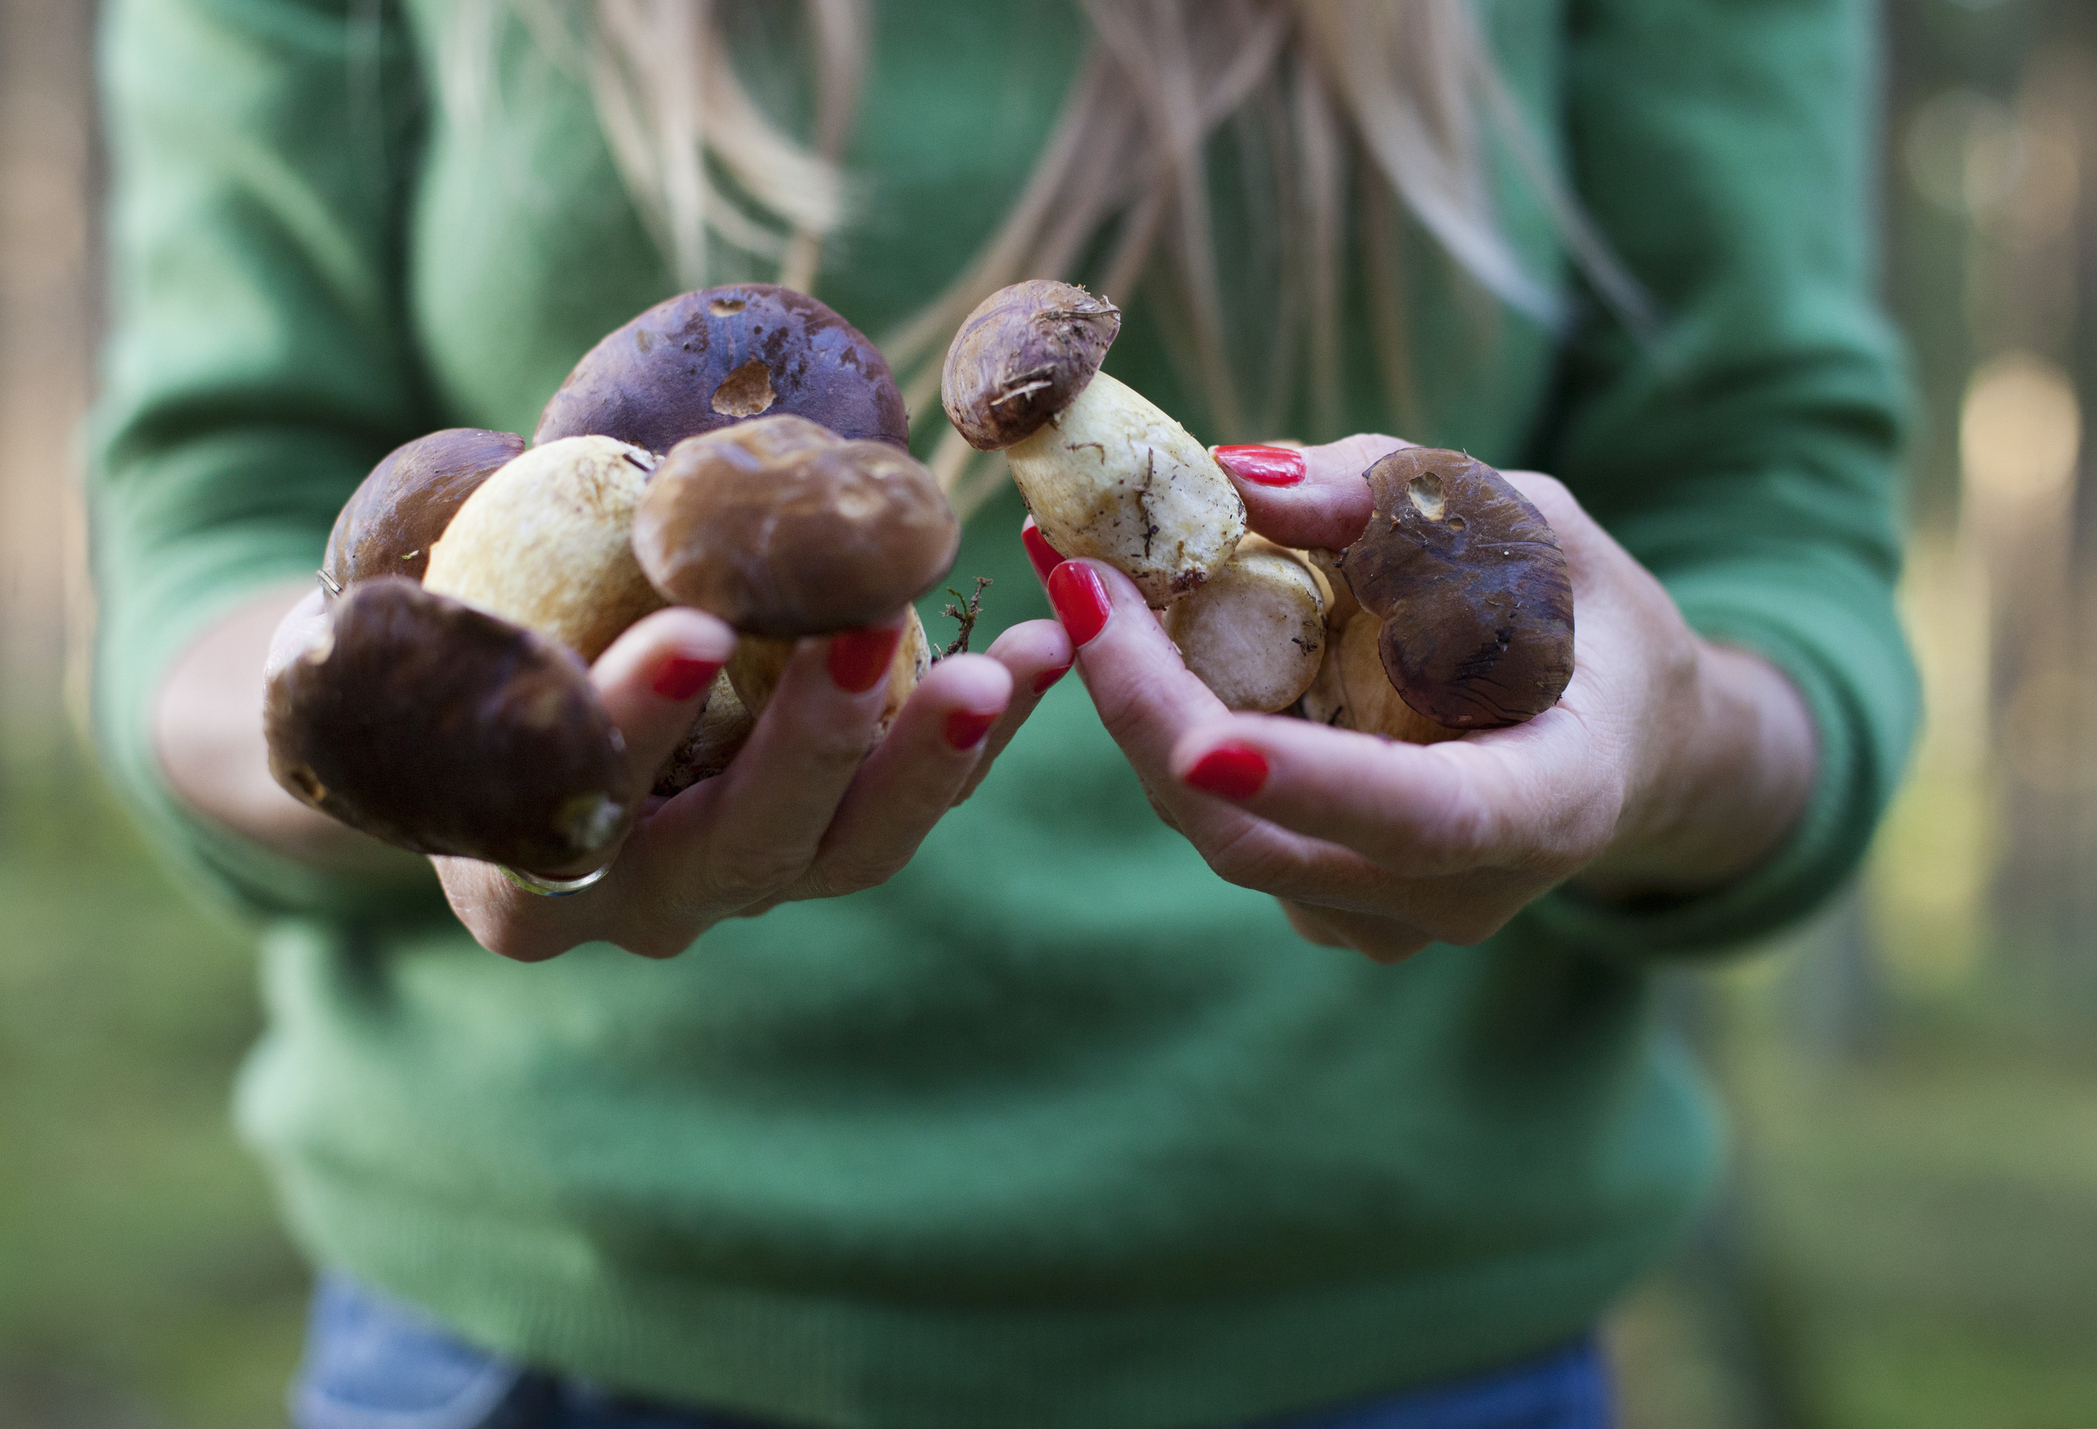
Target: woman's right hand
{"points": [[804, 811]]}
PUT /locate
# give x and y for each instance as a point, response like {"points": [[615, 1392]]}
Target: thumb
{"points": [[1307, 497]]}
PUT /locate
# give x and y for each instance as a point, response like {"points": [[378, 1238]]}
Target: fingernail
{"points": [[965, 728], [859, 658], [1080, 600], [1262, 466], [680, 677], [1047, 678], [1044, 556], [1229, 771]]}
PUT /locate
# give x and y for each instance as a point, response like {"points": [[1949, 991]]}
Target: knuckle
{"points": [[749, 872], [1245, 860], [834, 880]]}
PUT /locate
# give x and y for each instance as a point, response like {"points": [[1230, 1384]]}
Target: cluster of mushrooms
{"points": [[742, 450]]}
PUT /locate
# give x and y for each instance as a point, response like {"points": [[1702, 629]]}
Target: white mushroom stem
{"points": [[1255, 633], [1112, 477]]}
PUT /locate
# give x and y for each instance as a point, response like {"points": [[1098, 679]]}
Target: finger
{"points": [[1379, 939], [770, 809], [300, 627], [1533, 797], [913, 776], [1043, 557], [1307, 496], [1037, 654], [653, 680], [523, 927], [1144, 693]]}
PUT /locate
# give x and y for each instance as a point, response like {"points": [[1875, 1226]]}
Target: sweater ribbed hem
{"points": [[541, 1296]]}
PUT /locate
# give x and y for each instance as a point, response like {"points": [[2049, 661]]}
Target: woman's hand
{"points": [[1669, 765], [804, 811]]}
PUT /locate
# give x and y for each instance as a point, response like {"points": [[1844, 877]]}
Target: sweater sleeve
{"points": [[1747, 454], [258, 362]]}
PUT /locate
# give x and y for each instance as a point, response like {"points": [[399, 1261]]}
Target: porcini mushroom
{"points": [[393, 518], [1255, 632], [1105, 473], [547, 542], [445, 730], [707, 360], [784, 529], [1470, 588]]}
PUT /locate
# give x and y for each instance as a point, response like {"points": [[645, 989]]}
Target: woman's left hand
{"points": [[1669, 764]]}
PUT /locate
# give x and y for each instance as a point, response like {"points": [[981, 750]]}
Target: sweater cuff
{"points": [[1840, 644]]}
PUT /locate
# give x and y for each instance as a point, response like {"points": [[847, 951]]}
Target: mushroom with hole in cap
{"points": [[446, 730], [706, 360], [1471, 588], [1105, 473]]}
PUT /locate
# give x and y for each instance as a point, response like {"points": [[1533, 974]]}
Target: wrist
{"points": [[1723, 792]]}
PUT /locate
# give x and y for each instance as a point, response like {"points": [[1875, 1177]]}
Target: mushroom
{"points": [[784, 529], [446, 730], [1352, 691], [1105, 473], [546, 542], [1256, 632], [706, 360], [1470, 588], [397, 514]]}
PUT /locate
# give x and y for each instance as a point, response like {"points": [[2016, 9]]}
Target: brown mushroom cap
{"points": [[431, 725], [707, 359], [1021, 357], [782, 533], [1471, 586], [401, 509]]}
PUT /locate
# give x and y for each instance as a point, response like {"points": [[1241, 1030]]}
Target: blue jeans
{"points": [[372, 1363]]}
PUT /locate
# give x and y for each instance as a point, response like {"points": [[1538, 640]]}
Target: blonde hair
{"points": [[1399, 96]]}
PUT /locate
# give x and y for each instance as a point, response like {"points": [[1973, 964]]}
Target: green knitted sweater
{"points": [[1056, 1130]]}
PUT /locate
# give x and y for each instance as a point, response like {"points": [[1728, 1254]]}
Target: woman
{"points": [[1091, 1100]]}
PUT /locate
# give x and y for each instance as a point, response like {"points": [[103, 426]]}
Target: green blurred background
{"points": [[1909, 1239]]}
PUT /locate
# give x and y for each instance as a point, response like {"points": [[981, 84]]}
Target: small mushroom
{"points": [[1104, 471], [723, 725], [547, 542], [1470, 587], [1255, 633], [759, 661], [445, 730], [706, 360], [783, 531], [397, 514], [1352, 691]]}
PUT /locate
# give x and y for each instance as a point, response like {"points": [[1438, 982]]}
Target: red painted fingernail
{"points": [[1262, 466], [1229, 771], [1044, 556], [965, 728], [859, 658], [680, 677], [1080, 600], [1047, 678]]}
